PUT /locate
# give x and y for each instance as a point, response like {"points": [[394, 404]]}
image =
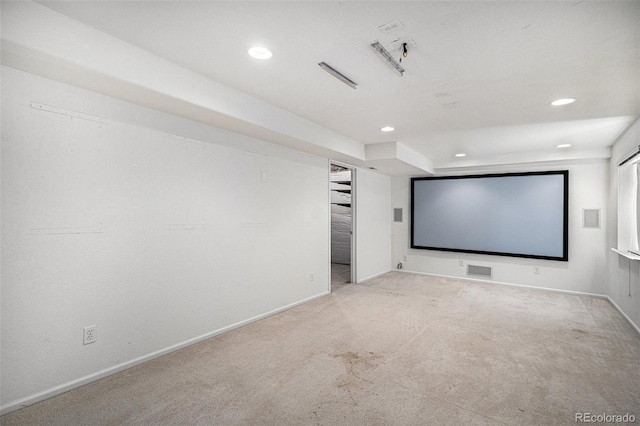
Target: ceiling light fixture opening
{"points": [[563, 145], [461, 154], [387, 129], [386, 56], [260, 52], [563, 101]]}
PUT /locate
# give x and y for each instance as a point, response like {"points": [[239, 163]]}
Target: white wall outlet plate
{"points": [[90, 335]]}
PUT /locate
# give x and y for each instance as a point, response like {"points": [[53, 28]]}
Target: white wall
{"points": [[159, 240], [624, 275], [374, 215], [586, 269]]}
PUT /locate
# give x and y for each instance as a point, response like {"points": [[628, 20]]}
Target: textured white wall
{"points": [[586, 269], [374, 216], [157, 239], [624, 275]]}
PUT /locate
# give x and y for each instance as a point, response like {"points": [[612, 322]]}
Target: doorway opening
{"points": [[342, 196]]}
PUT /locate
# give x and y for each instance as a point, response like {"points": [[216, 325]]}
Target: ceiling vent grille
{"points": [[337, 74]]}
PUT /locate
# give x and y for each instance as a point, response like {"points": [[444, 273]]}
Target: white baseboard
{"points": [[374, 276], [625, 316], [57, 390], [65, 387], [575, 293]]}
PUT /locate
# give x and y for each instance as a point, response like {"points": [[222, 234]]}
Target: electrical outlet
{"points": [[460, 262], [404, 258], [90, 335], [311, 277], [536, 269]]}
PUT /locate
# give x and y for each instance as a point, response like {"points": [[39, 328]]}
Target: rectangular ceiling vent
{"points": [[479, 271], [337, 74]]}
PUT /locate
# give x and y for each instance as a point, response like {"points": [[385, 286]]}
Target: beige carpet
{"points": [[401, 349]]}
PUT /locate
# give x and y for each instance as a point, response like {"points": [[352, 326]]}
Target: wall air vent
{"points": [[397, 215], [591, 218], [479, 271]]}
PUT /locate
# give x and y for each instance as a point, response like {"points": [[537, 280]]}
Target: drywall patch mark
{"points": [[184, 226], [391, 27], [254, 154], [67, 112], [171, 137], [255, 224], [68, 230]]}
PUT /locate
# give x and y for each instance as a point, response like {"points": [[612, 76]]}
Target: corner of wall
{"points": [[623, 275]]}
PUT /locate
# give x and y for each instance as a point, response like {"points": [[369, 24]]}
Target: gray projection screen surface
{"points": [[513, 214]]}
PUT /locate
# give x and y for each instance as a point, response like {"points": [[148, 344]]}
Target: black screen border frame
{"points": [[565, 236]]}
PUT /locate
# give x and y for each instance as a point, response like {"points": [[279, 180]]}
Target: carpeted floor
{"points": [[401, 349]]}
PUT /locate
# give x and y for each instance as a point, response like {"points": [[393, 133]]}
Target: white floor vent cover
{"points": [[480, 271]]}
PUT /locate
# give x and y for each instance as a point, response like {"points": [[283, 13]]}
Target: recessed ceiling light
{"points": [[564, 101], [260, 52], [461, 154], [387, 129], [563, 145]]}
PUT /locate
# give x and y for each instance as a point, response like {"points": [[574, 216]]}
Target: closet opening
{"points": [[342, 196]]}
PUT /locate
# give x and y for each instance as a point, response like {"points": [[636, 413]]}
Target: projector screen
{"points": [[513, 214]]}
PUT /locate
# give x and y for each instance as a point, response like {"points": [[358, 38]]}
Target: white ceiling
{"points": [[502, 62]]}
